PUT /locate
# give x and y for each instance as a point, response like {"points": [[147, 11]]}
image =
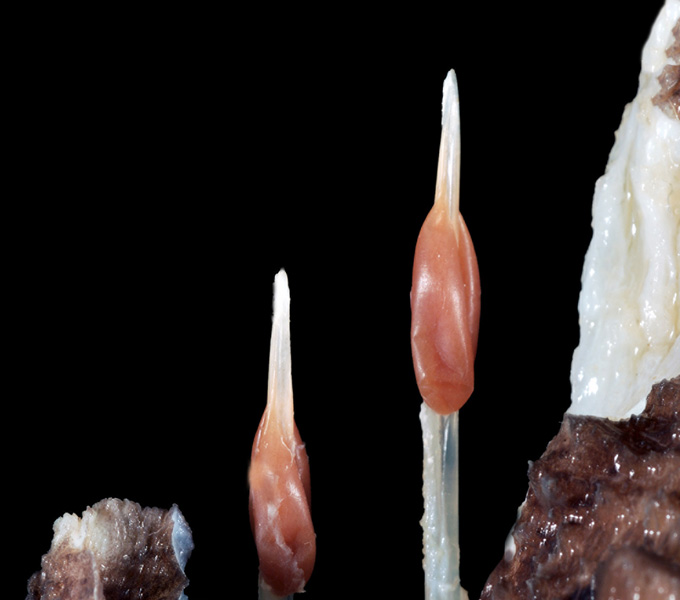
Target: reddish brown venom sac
{"points": [[279, 509], [445, 309], [445, 296]]}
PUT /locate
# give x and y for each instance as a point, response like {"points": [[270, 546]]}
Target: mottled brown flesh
{"points": [[602, 489]]}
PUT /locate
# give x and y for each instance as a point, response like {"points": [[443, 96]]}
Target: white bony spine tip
{"points": [[448, 167], [280, 384]]}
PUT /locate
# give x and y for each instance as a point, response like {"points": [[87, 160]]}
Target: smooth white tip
{"points": [[449, 96], [280, 388], [448, 169], [281, 296]]}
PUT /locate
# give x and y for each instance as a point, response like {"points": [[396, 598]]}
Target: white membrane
{"points": [[629, 307]]}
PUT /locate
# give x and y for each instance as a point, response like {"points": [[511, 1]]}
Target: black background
{"points": [[170, 163]]}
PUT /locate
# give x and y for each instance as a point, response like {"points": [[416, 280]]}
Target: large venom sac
{"points": [[445, 311], [445, 293], [279, 472], [116, 550]]}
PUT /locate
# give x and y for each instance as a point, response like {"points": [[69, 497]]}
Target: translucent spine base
{"points": [[266, 594], [440, 493]]}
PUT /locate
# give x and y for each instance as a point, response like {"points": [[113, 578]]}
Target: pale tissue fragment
{"points": [[629, 307], [117, 549]]}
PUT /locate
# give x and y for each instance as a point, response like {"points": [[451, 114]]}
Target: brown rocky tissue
{"points": [[117, 550], [602, 510]]}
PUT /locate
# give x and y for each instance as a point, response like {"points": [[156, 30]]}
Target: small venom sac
{"points": [[279, 472]]}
